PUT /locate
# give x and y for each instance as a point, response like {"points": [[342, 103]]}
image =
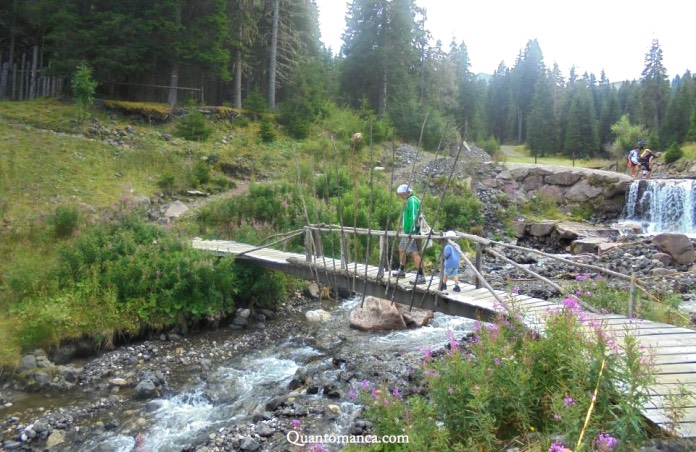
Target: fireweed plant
{"points": [[510, 386]]}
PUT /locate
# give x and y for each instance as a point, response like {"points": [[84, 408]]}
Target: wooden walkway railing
{"points": [[673, 348]]}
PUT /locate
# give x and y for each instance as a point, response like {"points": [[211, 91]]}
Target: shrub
{"points": [[83, 87], [65, 220], [462, 213], [267, 131], [490, 145], [167, 183], [256, 104], [200, 173], [674, 153], [193, 127]]}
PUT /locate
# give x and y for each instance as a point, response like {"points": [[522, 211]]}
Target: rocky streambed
{"points": [[228, 389]]}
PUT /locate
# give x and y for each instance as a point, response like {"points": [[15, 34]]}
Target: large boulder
{"points": [[413, 316], [676, 245], [376, 314]]}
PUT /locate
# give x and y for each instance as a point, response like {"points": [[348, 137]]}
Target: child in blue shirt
{"points": [[452, 257]]}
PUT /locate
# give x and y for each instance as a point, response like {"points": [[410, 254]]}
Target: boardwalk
{"points": [[674, 348]]}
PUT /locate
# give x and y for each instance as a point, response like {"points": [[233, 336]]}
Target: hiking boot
{"points": [[443, 286], [399, 273], [420, 279], [457, 289]]}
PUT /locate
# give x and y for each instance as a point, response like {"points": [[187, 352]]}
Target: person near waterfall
{"points": [[409, 226], [646, 159], [633, 161]]}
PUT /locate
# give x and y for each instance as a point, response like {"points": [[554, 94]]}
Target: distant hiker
{"points": [[451, 257], [646, 160], [409, 226], [634, 161]]}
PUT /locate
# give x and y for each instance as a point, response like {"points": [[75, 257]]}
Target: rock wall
{"points": [[603, 191]]}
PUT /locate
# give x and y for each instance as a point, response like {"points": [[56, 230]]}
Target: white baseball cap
{"points": [[403, 188]]}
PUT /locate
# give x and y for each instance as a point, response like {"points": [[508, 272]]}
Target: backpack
{"points": [[423, 225]]}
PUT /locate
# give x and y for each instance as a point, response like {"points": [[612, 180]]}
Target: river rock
{"points": [[587, 245], [264, 430], [377, 314], [318, 315], [28, 362], [175, 210], [676, 245], [414, 317], [145, 390], [541, 229], [56, 438], [249, 444]]}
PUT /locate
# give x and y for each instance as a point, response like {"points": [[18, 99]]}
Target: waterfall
{"points": [[662, 205]]}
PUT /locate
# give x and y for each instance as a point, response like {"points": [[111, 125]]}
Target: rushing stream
{"points": [[198, 404]]}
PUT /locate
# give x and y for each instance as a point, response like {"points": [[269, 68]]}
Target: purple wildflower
{"points": [[453, 342], [296, 424], [568, 401], [365, 385], [571, 304], [516, 290], [450, 390], [352, 395], [606, 442], [318, 447], [395, 392], [496, 361], [557, 416], [427, 354], [557, 447]]}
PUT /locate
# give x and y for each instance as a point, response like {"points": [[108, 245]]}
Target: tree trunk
{"points": [[173, 86], [237, 97], [382, 107], [174, 78], [273, 55]]}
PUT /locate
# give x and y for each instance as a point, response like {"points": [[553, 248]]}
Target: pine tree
{"points": [[581, 137], [655, 87], [542, 130]]}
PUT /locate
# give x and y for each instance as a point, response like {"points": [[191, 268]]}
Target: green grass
{"points": [[689, 151], [520, 154]]}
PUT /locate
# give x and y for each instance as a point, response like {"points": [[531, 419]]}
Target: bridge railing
{"points": [[314, 248]]}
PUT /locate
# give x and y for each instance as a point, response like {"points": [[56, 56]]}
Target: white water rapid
{"points": [[235, 388], [663, 205]]}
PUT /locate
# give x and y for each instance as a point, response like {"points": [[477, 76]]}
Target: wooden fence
{"points": [[25, 80]]}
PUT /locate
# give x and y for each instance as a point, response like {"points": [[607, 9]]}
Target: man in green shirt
{"points": [[409, 225]]}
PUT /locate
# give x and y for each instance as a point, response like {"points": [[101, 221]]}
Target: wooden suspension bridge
{"points": [[673, 348]]}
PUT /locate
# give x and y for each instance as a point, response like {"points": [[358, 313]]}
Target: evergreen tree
{"points": [[542, 130], [655, 87], [528, 69], [581, 136], [499, 104], [676, 122], [691, 134]]}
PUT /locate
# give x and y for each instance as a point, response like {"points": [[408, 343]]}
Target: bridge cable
{"points": [[333, 250], [369, 218], [390, 250], [339, 209], [313, 267]]}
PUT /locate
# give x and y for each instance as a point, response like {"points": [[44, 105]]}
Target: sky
{"points": [[613, 35]]}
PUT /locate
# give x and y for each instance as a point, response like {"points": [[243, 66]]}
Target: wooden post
{"points": [[308, 245], [21, 76], [318, 245], [632, 295], [345, 252], [477, 263], [13, 93], [383, 243], [34, 68]]}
